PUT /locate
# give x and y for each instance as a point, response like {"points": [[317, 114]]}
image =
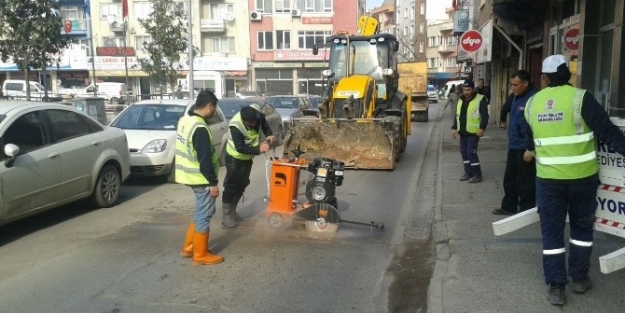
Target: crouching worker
{"points": [[242, 145], [197, 166]]}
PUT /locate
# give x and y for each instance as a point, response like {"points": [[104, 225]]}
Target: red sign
{"points": [[471, 41], [67, 26], [571, 39], [316, 20], [114, 51]]}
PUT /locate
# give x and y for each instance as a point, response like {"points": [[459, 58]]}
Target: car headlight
{"points": [[286, 119], [155, 146]]}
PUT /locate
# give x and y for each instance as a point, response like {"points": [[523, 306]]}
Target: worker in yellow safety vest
{"points": [[564, 122], [242, 145], [197, 166]]}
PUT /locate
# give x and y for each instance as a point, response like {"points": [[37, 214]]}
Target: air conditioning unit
{"points": [[256, 16], [296, 13]]}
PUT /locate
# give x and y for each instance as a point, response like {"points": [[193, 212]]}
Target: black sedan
{"points": [[232, 106]]}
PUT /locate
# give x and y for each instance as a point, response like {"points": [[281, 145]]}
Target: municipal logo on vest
{"points": [[550, 105]]}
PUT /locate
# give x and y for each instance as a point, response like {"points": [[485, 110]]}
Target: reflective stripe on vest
{"points": [[565, 145], [252, 137], [187, 166], [474, 118]]}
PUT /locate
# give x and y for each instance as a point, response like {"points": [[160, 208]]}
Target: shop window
{"points": [[307, 39], [283, 39], [265, 40]]}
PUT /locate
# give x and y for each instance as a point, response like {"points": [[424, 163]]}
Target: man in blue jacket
{"points": [[518, 180]]}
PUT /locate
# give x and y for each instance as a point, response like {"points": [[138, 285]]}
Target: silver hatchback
{"points": [[53, 154]]}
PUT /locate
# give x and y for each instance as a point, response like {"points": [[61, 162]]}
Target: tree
{"points": [[167, 26], [31, 35]]}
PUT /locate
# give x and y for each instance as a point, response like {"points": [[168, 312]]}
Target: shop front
{"points": [[292, 72], [231, 73]]}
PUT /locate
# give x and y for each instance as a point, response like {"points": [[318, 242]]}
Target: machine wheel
{"points": [[423, 115], [277, 221], [321, 226], [107, 187]]}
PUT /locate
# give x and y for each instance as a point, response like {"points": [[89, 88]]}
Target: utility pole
{"points": [[190, 47]]}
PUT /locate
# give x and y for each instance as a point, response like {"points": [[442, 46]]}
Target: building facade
{"points": [[442, 51], [385, 14], [410, 29], [282, 34]]}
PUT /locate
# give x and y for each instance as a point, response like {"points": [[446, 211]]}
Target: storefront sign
{"points": [[571, 39], [298, 55], [485, 53], [114, 51], [461, 21], [206, 63], [275, 64], [316, 20], [471, 41], [116, 63]]}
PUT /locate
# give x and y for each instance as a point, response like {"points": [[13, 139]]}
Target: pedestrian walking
{"points": [[564, 122], [470, 124], [518, 181], [242, 145], [452, 97], [197, 166]]}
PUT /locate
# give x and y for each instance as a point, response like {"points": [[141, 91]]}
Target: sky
{"points": [[435, 8]]}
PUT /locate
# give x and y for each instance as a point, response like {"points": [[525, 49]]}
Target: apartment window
{"points": [[421, 47], [222, 44], [422, 8], [113, 41], [307, 39], [76, 15], [142, 9], [315, 6], [110, 9], [406, 13], [412, 15], [405, 30], [142, 41], [421, 28], [283, 6], [283, 39], [411, 32], [264, 6], [265, 40], [218, 11]]}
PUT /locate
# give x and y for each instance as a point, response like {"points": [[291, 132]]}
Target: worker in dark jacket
{"points": [[518, 180], [505, 109], [563, 124], [197, 166], [242, 145], [470, 123]]}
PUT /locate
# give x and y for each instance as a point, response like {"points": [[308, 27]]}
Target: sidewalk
{"points": [[476, 271]]}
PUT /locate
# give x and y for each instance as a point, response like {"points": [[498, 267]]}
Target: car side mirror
{"points": [[315, 49], [11, 151]]}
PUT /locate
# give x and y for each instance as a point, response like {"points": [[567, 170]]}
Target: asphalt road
{"points": [[126, 258]]}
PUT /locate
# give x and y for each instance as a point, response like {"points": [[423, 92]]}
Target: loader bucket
{"points": [[360, 143]]}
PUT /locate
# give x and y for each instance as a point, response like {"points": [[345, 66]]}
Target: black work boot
{"points": [[226, 218], [233, 210], [556, 295], [464, 177], [581, 285], [475, 179]]}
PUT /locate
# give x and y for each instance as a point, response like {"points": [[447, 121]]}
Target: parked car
{"points": [[151, 126], [432, 93], [290, 106], [232, 106], [314, 101], [53, 154], [247, 94], [115, 94], [16, 89]]}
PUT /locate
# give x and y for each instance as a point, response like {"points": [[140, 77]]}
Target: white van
{"points": [[17, 89], [448, 85], [113, 92]]}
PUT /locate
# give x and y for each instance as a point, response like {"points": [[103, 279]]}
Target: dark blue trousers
{"points": [[554, 201], [468, 150]]}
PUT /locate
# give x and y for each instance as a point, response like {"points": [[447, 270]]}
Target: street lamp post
{"points": [[190, 81], [112, 19]]}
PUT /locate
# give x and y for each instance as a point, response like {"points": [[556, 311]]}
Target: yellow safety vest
{"points": [[187, 166], [474, 118], [565, 145], [251, 136]]}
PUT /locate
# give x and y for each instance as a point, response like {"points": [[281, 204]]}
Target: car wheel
{"points": [[107, 188]]}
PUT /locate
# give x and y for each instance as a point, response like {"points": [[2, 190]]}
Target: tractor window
{"points": [[364, 59]]}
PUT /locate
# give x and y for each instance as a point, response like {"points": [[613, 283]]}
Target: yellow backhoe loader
{"points": [[363, 119]]}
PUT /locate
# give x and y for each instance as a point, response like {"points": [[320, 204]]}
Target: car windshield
{"points": [[284, 102], [248, 93], [431, 88], [150, 117], [230, 107], [2, 118], [314, 102]]}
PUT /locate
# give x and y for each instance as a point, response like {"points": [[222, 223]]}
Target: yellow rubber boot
{"points": [[200, 253]]}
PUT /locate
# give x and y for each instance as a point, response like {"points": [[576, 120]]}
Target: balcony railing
{"points": [[212, 25], [447, 48], [78, 27]]}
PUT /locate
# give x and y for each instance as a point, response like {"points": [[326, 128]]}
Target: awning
{"points": [[236, 73]]}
